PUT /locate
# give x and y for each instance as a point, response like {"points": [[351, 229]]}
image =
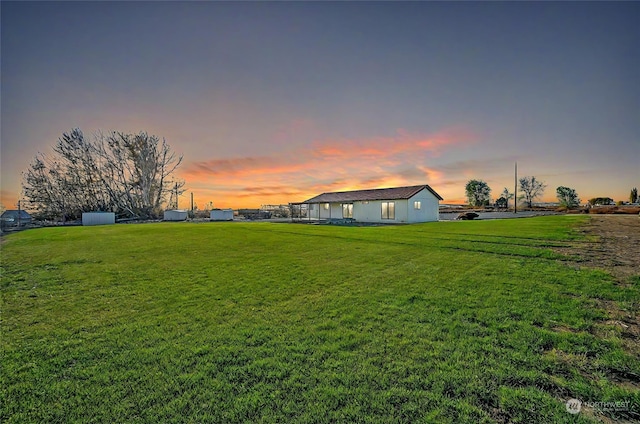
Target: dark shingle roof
{"points": [[375, 194], [12, 213]]}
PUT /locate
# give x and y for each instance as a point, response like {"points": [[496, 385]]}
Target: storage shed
{"points": [[98, 218], [221, 215], [175, 215]]}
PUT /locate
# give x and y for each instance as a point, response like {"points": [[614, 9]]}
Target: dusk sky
{"points": [[276, 102]]}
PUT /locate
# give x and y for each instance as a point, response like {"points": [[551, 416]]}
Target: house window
{"points": [[417, 204], [388, 210], [325, 206], [347, 210], [311, 207]]}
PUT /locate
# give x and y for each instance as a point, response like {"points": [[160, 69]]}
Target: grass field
{"points": [[229, 322]]}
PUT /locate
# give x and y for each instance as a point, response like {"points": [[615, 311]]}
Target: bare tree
{"points": [[532, 189], [130, 174], [45, 186], [141, 168]]}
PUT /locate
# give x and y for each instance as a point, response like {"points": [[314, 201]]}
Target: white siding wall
{"points": [[429, 207], [98, 218], [324, 213], [402, 211], [366, 211], [336, 210], [371, 211]]}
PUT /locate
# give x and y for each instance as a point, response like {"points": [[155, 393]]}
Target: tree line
{"points": [[478, 193], [129, 174]]}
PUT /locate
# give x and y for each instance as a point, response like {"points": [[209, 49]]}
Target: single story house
{"points": [[384, 205]]}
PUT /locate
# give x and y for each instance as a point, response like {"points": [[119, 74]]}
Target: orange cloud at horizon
{"points": [[8, 199], [328, 165]]}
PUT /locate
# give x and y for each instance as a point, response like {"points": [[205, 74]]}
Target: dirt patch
{"points": [[614, 245]]}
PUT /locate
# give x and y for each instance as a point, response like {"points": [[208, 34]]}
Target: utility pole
{"points": [[192, 202], [515, 191]]}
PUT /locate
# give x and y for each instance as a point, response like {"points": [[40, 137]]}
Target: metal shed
{"points": [[98, 218], [221, 215], [175, 215]]}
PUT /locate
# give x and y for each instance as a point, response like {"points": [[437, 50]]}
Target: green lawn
{"points": [[230, 322]]}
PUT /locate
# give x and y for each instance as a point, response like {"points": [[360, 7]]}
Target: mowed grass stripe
{"points": [[231, 322]]}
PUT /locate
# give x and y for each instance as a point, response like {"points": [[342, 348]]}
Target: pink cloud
{"points": [[328, 165]]}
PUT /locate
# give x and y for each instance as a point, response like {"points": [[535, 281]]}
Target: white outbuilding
{"points": [[98, 218], [384, 205], [221, 215], [175, 215]]}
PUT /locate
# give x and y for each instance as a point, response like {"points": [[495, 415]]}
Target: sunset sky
{"points": [[275, 102]]}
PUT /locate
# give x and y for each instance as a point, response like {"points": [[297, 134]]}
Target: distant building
{"points": [[98, 218], [15, 218], [221, 215], [385, 205], [175, 215]]}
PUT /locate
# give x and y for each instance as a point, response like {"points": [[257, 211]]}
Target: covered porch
{"points": [[322, 211]]}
